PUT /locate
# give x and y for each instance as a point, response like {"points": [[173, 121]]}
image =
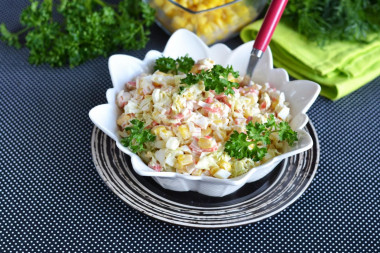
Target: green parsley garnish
{"points": [[214, 79], [254, 143], [137, 136], [88, 29], [169, 65]]}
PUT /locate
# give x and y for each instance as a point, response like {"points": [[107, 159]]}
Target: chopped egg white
{"points": [[172, 143]]}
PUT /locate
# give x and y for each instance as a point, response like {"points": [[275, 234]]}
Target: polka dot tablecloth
{"points": [[53, 200]]}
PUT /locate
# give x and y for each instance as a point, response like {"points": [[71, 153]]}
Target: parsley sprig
{"points": [[214, 79], [169, 65], [137, 136], [84, 29], [253, 144]]}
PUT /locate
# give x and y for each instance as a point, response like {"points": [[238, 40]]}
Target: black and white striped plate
{"points": [[253, 202]]}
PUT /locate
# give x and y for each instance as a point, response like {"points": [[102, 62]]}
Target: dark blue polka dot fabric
{"points": [[52, 199]]}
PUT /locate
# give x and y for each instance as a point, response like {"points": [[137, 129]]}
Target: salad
{"points": [[200, 118]]}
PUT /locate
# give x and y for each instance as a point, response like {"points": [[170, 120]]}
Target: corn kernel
{"points": [[188, 95], [274, 104], [166, 134], [123, 119], [207, 131], [184, 132], [189, 27], [162, 132], [180, 169], [202, 7], [169, 9], [231, 78], [202, 20], [157, 129], [184, 160], [247, 113], [220, 136], [197, 172], [213, 170], [242, 10], [178, 22], [159, 2], [184, 3], [205, 30], [205, 143], [219, 22], [225, 165], [218, 121]]}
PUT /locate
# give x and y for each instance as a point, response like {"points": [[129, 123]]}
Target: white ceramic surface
{"points": [[123, 68]]}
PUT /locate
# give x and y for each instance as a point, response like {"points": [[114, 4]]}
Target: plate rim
{"points": [[165, 218]]}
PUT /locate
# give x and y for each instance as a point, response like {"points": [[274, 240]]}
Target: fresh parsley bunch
{"points": [[137, 136], [329, 20], [168, 65], [253, 144], [214, 79], [90, 28]]}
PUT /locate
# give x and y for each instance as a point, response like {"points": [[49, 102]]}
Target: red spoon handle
{"points": [[270, 22]]}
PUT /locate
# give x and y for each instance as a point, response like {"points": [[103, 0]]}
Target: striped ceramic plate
{"points": [[253, 202]]}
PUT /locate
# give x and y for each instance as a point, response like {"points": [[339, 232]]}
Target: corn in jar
{"points": [[212, 21]]}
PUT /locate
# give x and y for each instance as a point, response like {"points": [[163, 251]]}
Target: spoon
{"points": [[271, 19]]}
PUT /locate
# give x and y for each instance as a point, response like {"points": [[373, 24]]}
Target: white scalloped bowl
{"points": [[123, 68]]}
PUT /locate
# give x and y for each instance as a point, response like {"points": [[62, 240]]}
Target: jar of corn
{"points": [[212, 20]]}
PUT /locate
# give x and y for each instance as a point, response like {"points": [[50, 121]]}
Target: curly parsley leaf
{"points": [[165, 64], [185, 63], [239, 146], [169, 65], [8, 37], [191, 79], [254, 143], [137, 136], [286, 133], [214, 79], [89, 29]]}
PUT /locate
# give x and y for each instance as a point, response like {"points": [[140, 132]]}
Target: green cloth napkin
{"points": [[339, 67]]}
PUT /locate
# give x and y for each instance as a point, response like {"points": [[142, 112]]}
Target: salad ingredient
{"points": [[253, 144], [197, 131], [89, 29], [217, 79], [169, 65], [328, 20], [137, 136]]}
